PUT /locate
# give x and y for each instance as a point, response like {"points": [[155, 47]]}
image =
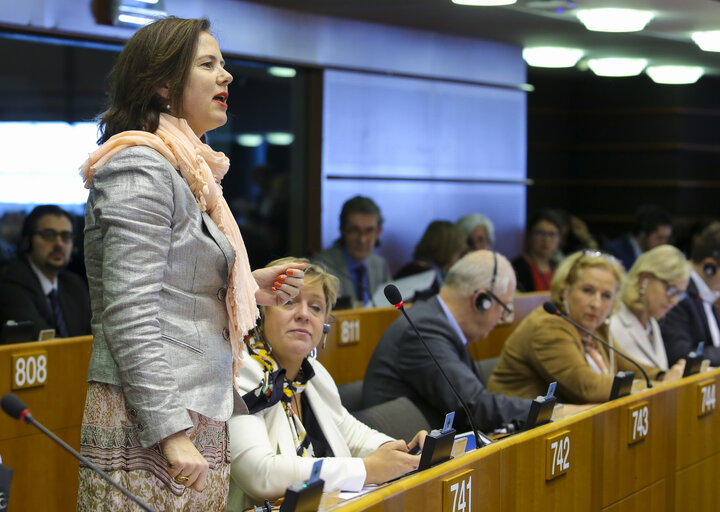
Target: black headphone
{"points": [[709, 269], [483, 302]]}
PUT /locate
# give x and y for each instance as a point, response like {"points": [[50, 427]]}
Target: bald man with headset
{"points": [[695, 318], [476, 295]]}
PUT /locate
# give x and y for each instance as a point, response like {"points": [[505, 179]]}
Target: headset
{"points": [[709, 269], [483, 302]]}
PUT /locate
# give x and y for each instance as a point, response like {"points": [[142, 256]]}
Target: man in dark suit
{"points": [[351, 258], [695, 318], [653, 227], [37, 287], [476, 295]]}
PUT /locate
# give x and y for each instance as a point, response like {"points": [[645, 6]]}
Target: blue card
{"points": [[449, 418], [701, 347], [551, 390], [315, 473]]}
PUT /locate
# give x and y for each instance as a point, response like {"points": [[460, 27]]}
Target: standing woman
{"points": [[657, 281], [170, 285], [535, 267]]}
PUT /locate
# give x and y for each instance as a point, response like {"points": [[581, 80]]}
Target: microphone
{"points": [[15, 408], [392, 294], [551, 308]]}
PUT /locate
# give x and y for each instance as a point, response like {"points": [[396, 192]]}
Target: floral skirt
{"points": [[109, 440]]}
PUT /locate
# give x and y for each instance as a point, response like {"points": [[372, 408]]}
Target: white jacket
{"points": [[264, 462], [631, 338]]}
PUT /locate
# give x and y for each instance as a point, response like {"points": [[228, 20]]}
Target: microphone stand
{"points": [[478, 440], [28, 418]]}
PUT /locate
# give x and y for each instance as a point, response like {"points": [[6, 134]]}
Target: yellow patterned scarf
{"points": [[260, 353], [202, 169]]}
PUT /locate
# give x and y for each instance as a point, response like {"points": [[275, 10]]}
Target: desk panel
{"points": [[653, 498], [352, 340], [45, 476], [697, 486], [697, 436], [625, 467]]}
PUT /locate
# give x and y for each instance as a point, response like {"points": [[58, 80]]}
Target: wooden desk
{"points": [[670, 463], [45, 476], [352, 340]]}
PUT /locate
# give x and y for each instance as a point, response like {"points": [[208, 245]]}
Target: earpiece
{"points": [[483, 302], [326, 330], [643, 286], [709, 269]]}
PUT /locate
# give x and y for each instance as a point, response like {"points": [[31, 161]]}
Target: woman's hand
{"points": [[675, 373], [418, 440], [185, 460], [390, 461], [278, 284]]}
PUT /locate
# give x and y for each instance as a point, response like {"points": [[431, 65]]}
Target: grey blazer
{"points": [[158, 269], [334, 261]]}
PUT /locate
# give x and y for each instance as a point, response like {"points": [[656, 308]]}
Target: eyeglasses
{"points": [[356, 232], [590, 253], [50, 235], [672, 291], [508, 309]]}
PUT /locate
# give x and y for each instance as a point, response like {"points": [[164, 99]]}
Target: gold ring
{"points": [[182, 479]]}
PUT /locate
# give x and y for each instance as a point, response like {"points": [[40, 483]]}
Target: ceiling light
{"points": [[613, 66], [136, 13], [280, 138], [707, 41], [674, 74], [281, 72], [614, 20], [249, 140], [552, 57], [484, 3]]}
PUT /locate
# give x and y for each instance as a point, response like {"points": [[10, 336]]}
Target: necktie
{"points": [[60, 326], [360, 283]]}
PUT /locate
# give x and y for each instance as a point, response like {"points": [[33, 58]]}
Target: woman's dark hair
{"points": [[545, 214], [441, 241], [159, 54]]}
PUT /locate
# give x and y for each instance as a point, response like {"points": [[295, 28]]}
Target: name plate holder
{"points": [[638, 422], [457, 492], [557, 455], [29, 369], [706, 397]]}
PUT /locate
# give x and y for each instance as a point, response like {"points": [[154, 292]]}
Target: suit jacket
{"points": [[687, 324], [622, 249], [158, 269], [546, 348], [22, 298], [629, 336], [400, 366], [333, 259], [264, 461]]}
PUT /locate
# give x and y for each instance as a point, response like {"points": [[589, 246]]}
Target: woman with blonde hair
{"points": [[546, 348], [295, 412], [656, 282]]}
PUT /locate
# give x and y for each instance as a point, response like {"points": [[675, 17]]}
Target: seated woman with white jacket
{"points": [[655, 284], [295, 410]]}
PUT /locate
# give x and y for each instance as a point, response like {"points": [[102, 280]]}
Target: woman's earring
{"points": [[643, 287]]}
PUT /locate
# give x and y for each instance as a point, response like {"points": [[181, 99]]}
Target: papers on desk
{"points": [[347, 495], [406, 285]]}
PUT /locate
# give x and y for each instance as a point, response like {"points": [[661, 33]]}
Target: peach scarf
{"points": [[202, 169]]}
